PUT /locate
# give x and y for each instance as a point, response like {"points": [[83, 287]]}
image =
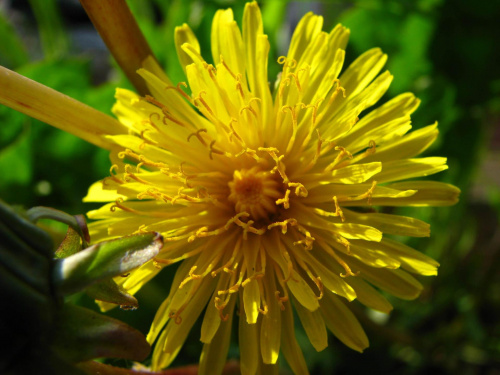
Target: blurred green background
{"points": [[446, 52]]}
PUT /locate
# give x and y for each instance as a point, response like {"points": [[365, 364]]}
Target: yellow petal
{"points": [[363, 291], [213, 355], [396, 282], [347, 230], [408, 146], [251, 291], [302, 291], [173, 100], [184, 34], [161, 317], [252, 29], [362, 71], [251, 301], [322, 69], [411, 259], [147, 208], [249, 346], [342, 322], [289, 346], [429, 193], [96, 193], [175, 333], [369, 296], [256, 47], [382, 135], [320, 84], [220, 17], [345, 115], [397, 170], [354, 195], [331, 280], [274, 249], [200, 82], [367, 254], [391, 224], [314, 51], [99, 230], [355, 174], [270, 332], [228, 43], [307, 29], [122, 108], [212, 320], [136, 144], [357, 231], [262, 89], [402, 105], [314, 325]]}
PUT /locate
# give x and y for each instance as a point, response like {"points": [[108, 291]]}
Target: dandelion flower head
{"points": [[265, 194]]}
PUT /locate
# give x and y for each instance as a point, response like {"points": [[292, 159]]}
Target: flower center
{"points": [[255, 191]]}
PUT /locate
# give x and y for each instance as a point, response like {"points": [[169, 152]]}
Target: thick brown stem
{"points": [[119, 30]]}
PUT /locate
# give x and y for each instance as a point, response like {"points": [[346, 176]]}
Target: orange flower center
{"points": [[255, 191]]}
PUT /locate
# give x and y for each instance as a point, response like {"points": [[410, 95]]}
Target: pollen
{"points": [[255, 191]]}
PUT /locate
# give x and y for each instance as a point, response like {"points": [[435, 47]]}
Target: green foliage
{"points": [[47, 335], [12, 51]]}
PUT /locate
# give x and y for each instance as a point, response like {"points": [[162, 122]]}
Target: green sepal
{"points": [[81, 334], [104, 260], [76, 222], [109, 291], [70, 245]]}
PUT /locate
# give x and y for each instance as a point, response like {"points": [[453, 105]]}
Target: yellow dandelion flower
{"points": [[264, 196]]}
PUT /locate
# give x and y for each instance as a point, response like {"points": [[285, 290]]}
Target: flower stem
{"points": [[119, 30], [56, 109]]}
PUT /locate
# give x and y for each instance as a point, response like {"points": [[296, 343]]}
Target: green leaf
{"points": [[54, 37], [15, 160], [411, 61], [17, 123], [69, 76], [81, 334], [105, 260], [12, 50]]}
